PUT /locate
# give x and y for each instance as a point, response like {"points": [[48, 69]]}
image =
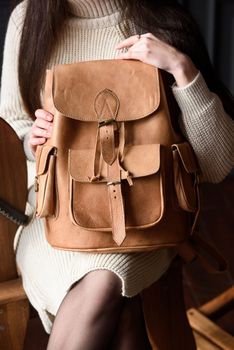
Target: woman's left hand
{"points": [[149, 49]]}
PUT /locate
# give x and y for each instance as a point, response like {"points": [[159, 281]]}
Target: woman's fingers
{"points": [[128, 42], [40, 132], [41, 129], [132, 55], [43, 124], [42, 114], [151, 50], [140, 47], [134, 39], [137, 48], [35, 141]]}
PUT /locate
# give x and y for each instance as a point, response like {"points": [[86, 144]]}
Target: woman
{"points": [[87, 292]]}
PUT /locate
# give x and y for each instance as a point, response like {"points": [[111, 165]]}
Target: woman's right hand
{"points": [[41, 129]]}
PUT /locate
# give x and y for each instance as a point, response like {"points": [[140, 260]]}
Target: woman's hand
{"points": [[149, 49], [41, 129]]}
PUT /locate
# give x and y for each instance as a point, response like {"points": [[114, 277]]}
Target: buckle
{"points": [[106, 122], [36, 184], [113, 183]]}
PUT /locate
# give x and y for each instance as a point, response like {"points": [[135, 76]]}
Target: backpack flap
{"points": [[139, 160], [70, 90]]}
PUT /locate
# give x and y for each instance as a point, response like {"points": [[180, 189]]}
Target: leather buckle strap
{"points": [[116, 203], [113, 183], [107, 141], [106, 122], [195, 221], [198, 249], [106, 106]]}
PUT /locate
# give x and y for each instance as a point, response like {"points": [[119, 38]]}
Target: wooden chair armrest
{"points": [[218, 306], [11, 291]]}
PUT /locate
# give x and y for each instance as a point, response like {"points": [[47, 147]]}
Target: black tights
{"points": [[94, 316]]}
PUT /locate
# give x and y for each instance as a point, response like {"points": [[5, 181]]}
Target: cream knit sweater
{"points": [[92, 32]]}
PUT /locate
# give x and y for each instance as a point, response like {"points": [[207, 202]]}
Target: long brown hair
{"points": [[166, 19], [41, 30]]}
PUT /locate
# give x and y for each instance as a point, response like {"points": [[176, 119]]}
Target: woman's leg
{"points": [[131, 332], [88, 314]]}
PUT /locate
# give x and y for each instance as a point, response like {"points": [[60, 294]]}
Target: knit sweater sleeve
{"points": [[11, 105], [207, 127]]}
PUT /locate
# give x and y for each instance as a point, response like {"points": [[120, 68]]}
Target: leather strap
{"points": [[12, 214], [195, 221], [97, 160], [48, 103], [195, 249], [106, 106], [121, 141], [116, 203], [107, 140]]}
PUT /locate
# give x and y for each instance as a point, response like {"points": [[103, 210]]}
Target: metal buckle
{"points": [[113, 183], [106, 122], [36, 184]]}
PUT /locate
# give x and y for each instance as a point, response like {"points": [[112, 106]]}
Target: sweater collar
{"points": [[93, 8]]}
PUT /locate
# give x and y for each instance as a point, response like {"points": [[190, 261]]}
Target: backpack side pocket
{"points": [[185, 171], [45, 181]]}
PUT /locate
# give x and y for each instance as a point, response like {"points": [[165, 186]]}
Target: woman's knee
{"points": [[102, 287]]}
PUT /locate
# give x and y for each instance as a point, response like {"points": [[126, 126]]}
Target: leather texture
{"points": [[115, 176]]}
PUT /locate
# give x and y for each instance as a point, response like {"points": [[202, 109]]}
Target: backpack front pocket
{"points": [[45, 180], [141, 187]]}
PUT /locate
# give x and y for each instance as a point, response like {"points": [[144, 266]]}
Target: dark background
{"points": [[4, 14], [216, 21]]}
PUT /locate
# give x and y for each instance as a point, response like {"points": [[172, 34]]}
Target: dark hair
{"points": [[166, 19], [41, 30]]}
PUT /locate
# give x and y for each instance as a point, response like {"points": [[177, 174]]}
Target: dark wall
{"points": [[4, 14], [216, 21]]}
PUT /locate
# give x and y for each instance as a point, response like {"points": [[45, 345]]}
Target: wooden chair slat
{"points": [[220, 304], [209, 330], [203, 343]]}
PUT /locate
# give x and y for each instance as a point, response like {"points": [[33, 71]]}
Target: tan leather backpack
{"points": [[115, 176]]}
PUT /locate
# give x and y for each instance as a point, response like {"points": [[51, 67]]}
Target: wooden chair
{"points": [[14, 306], [208, 335]]}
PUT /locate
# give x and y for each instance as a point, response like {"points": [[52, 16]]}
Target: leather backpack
{"points": [[115, 176]]}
